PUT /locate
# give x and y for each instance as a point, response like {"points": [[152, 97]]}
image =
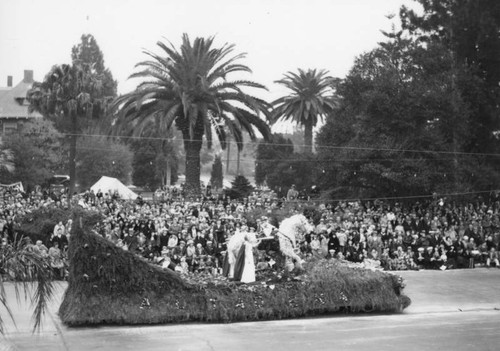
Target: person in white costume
{"points": [[233, 247], [248, 274]]}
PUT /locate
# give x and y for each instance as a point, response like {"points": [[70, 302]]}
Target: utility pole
{"points": [[238, 164], [169, 173], [228, 152]]}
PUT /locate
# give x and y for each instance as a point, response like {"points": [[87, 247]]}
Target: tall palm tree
{"points": [[189, 88], [311, 99], [68, 95]]}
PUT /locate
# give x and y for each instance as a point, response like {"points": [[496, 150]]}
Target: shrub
{"points": [[240, 188]]}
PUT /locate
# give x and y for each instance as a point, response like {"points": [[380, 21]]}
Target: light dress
{"points": [[233, 247], [248, 275]]}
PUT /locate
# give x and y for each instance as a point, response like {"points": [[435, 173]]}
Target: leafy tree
{"points": [[311, 99], [161, 158], [69, 95], [36, 151], [240, 188], [102, 156], [400, 98], [217, 177], [6, 161], [189, 88], [166, 166], [278, 167], [143, 164], [268, 155], [468, 32], [87, 51]]}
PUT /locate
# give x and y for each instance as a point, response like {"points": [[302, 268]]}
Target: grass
{"points": [[110, 286]]}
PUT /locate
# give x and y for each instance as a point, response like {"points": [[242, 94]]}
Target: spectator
{"points": [[56, 261]]}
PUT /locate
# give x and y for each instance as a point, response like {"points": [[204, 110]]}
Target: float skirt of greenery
{"points": [[108, 285]]}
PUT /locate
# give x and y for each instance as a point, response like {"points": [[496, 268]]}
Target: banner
{"points": [[18, 186]]}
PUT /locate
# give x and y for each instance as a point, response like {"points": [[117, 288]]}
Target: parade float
{"points": [[108, 285]]}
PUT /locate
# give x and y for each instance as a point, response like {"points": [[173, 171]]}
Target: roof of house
{"points": [[13, 103]]}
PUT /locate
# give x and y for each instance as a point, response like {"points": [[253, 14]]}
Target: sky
{"points": [[278, 36]]}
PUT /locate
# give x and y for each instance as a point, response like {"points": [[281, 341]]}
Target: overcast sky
{"points": [[278, 36]]}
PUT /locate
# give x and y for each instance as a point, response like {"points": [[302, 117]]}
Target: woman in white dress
{"points": [[248, 274], [233, 248]]}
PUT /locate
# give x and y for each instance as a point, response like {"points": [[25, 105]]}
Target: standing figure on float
{"points": [[233, 247], [244, 270]]}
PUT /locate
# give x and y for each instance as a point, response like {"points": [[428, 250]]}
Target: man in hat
{"points": [[292, 193]]}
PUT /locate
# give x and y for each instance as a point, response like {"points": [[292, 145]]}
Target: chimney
{"points": [[9, 81], [28, 76]]}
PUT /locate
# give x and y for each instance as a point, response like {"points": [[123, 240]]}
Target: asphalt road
{"points": [[451, 310]]}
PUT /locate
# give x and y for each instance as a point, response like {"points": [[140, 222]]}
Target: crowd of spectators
{"points": [[191, 236]]}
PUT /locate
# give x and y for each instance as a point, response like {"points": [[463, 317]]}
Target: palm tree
{"points": [[30, 272], [69, 95], [310, 101], [189, 88]]}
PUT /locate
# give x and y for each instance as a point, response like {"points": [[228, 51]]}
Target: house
{"points": [[14, 105]]}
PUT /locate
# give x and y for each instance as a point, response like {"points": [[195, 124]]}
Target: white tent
{"points": [[108, 184]]}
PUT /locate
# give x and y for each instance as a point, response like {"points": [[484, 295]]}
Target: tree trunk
{"points": [[72, 166], [238, 164], [169, 173], [308, 136], [193, 149], [228, 151]]}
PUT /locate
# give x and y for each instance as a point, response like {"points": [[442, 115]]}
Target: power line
{"points": [[326, 147], [319, 161], [399, 197]]}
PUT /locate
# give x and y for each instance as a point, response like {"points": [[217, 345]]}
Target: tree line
{"points": [[417, 114]]}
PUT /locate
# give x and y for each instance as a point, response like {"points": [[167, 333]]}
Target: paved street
{"points": [[451, 310]]}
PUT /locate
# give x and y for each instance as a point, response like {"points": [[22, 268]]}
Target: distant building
{"points": [[14, 105]]}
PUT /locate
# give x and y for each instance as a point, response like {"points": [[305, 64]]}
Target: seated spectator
{"points": [[315, 246], [41, 249], [56, 261], [173, 240], [492, 260]]}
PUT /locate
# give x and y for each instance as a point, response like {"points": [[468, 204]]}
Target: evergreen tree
{"points": [[217, 177], [240, 188], [143, 164], [405, 124], [87, 51], [468, 32]]}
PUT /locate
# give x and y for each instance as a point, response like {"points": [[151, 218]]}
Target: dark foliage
{"points": [[217, 176], [88, 51], [240, 188], [407, 121], [39, 224]]}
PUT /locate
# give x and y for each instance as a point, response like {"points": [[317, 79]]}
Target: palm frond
{"points": [[30, 273]]}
